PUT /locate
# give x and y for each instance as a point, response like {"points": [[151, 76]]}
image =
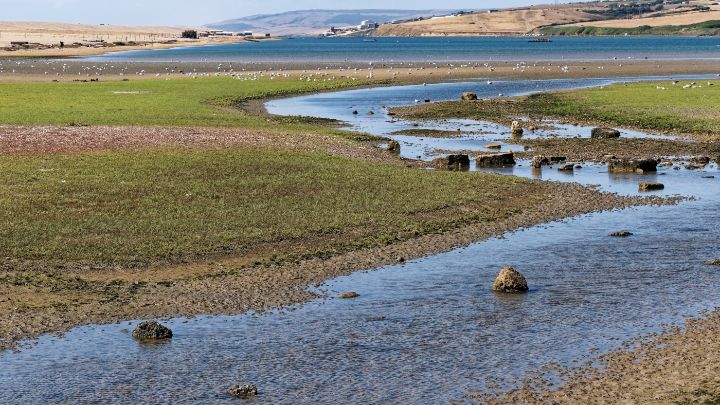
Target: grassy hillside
{"points": [[704, 28]]}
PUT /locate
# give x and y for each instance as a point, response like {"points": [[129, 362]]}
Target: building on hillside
{"points": [[367, 25]]}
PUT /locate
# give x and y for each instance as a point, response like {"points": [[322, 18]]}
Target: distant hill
{"points": [[311, 22]]}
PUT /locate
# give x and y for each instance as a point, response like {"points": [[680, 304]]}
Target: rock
{"points": [[715, 262], [452, 163], [532, 128], [608, 158], [516, 129], [371, 112], [494, 146], [510, 281], [355, 112], [348, 295], [469, 96], [708, 177], [557, 159], [496, 160], [651, 186], [632, 166], [243, 391], [605, 133], [567, 167], [151, 330], [539, 161], [393, 147], [700, 160], [621, 234]]}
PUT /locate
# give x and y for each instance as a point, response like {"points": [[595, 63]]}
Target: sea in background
{"points": [[433, 49]]}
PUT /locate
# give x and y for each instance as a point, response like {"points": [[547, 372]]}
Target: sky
{"points": [[198, 12]]}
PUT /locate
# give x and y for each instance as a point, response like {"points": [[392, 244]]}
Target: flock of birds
{"points": [[60, 69]]}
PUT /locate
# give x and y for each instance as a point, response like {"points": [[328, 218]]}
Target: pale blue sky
{"points": [[195, 12]]}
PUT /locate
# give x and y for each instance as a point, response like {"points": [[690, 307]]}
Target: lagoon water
{"points": [[425, 331], [433, 49]]}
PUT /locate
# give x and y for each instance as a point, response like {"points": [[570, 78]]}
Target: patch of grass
{"points": [[703, 28], [206, 102], [639, 105], [155, 206]]}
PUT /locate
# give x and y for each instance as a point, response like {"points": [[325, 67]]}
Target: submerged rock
{"points": [[715, 262], [510, 281], [621, 234], [651, 186], [567, 167], [348, 295], [494, 146], [605, 133], [151, 330], [639, 166], [496, 160], [452, 163], [243, 391], [469, 96]]}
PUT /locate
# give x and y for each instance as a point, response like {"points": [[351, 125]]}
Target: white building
{"points": [[367, 25]]}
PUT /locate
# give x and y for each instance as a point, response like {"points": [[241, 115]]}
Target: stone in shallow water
{"points": [[651, 186], [453, 163], [151, 330], [496, 160], [621, 234], [510, 281], [714, 262], [639, 166], [243, 391], [605, 133], [349, 295]]}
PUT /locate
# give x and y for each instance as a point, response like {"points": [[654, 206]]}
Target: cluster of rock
{"points": [[542, 160], [243, 391], [151, 330]]}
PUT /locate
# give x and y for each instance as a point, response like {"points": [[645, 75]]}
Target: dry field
{"points": [[508, 22]]}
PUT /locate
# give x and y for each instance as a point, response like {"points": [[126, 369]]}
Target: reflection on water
{"points": [[424, 331]]}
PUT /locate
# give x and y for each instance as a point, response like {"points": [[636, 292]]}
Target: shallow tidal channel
{"points": [[425, 331]]}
